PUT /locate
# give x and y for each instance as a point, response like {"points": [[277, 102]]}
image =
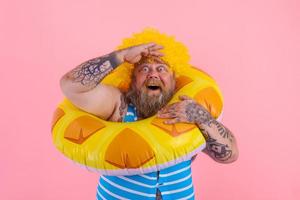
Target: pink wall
{"points": [[250, 47]]}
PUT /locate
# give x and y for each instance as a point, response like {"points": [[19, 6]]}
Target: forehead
{"points": [[151, 62], [152, 65]]}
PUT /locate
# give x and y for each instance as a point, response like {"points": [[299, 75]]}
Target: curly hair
{"points": [[175, 54]]}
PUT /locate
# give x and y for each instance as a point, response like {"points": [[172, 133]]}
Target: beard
{"points": [[147, 104]]}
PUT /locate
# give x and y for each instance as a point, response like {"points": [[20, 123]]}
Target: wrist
{"points": [[119, 56], [203, 117]]}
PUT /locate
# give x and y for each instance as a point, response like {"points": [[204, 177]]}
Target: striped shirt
{"points": [[174, 182]]}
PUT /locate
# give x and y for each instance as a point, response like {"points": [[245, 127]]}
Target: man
{"points": [[152, 86]]}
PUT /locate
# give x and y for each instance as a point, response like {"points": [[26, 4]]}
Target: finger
{"points": [[172, 121], [156, 53], [185, 97], [148, 45], [167, 115], [169, 108], [156, 47]]}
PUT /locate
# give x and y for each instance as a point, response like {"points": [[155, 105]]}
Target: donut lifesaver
{"points": [[116, 148]]}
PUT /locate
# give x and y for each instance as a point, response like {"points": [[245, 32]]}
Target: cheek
{"points": [[139, 83], [168, 81]]}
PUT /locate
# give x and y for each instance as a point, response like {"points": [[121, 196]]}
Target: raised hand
{"points": [[135, 53]]}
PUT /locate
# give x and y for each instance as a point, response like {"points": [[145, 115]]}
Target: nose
{"points": [[153, 75]]}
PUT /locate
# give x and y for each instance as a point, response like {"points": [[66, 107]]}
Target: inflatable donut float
{"points": [[119, 148]]}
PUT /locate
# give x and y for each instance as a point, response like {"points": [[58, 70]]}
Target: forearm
{"points": [[89, 74], [220, 142]]}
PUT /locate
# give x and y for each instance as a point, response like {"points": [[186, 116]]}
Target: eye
{"points": [[145, 69], [161, 68]]}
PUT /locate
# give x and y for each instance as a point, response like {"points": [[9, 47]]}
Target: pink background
{"points": [[249, 47]]}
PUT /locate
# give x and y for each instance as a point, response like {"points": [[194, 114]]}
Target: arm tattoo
{"points": [[91, 72], [218, 151], [222, 130], [218, 147], [196, 113]]}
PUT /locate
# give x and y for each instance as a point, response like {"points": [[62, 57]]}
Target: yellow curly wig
{"points": [[175, 54]]}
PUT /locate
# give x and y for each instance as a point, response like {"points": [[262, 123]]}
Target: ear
{"points": [[133, 74], [174, 75]]}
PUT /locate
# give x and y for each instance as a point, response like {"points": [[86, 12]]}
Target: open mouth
{"points": [[153, 87]]}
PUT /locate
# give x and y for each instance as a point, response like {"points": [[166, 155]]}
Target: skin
{"points": [[155, 74], [221, 143], [82, 86], [149, 100]]}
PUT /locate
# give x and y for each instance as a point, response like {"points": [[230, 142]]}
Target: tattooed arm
{"points": [[82, 84], [220, 142]]}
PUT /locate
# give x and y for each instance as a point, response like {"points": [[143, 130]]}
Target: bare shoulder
{"points": [[104, 101], [120, 109]]}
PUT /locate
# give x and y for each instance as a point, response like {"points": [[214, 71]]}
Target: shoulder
{"points": [[120, 109]]}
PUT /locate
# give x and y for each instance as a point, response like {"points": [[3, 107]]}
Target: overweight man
{"points": [[151, 88]]}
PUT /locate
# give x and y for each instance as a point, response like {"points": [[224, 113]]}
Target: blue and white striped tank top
{"points": [[174, 182]]}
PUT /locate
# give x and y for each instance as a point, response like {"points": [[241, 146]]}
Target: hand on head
{"points": [[135, 53]]}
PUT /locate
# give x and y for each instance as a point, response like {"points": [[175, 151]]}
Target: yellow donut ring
{"points": [[115, 148]]}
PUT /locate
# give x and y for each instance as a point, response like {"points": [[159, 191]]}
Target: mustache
{"points": [[153, 82], [148, 105]]}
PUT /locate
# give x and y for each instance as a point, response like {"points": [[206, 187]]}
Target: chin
{"points": [[154, 93], [147, 101]]}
